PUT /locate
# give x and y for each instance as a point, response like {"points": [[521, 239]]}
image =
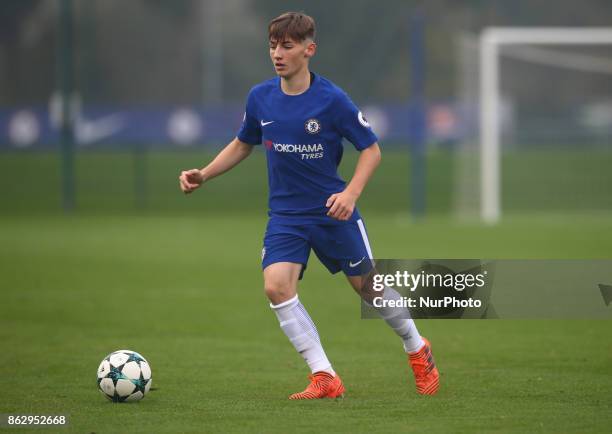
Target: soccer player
{"points": [[301, 119]]}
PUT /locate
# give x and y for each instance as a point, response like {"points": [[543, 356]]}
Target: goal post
{"points": [[491, 42]]}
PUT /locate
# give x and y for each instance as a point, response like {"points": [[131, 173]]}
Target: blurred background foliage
{"points": [[191, 51]]}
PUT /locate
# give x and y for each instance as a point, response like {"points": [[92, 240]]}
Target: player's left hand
{"points": [[341, 205]]}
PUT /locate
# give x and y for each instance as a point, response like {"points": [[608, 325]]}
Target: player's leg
{"points": [[284, 258], [280, 281], [421, 360], [347, 248], [281, 288], [398, 318]]}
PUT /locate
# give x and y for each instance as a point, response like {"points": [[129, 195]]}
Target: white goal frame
{"points": [[492, 39]]}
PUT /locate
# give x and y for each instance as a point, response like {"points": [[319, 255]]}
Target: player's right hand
{"points": [[190, 180]]}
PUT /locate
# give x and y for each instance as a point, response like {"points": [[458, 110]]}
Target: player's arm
{"points": [[341, 205], [230, 156]]}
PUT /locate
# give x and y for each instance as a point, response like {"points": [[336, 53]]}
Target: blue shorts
{"points": [[339, 247]]}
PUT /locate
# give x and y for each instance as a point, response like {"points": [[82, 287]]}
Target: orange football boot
{"points": [[322, 385], [426, 374]]}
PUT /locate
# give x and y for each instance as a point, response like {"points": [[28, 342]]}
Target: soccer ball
{"points": [[124, 376]]}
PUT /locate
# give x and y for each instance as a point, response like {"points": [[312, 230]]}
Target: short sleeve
{"points": [[351, 123], [250, 131]]}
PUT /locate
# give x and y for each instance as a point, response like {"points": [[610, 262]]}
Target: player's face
{"points": [[289, 56]]}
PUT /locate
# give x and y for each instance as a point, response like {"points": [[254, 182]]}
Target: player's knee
{"points": [[363, 287], [278, 291]]}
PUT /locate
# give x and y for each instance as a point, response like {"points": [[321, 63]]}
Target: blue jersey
{"points": [[303, 135]]}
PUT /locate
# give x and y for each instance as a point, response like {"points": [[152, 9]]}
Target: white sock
{"points": [[301, 331], [400, 321]]}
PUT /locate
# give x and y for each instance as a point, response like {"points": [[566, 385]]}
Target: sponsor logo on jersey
{"points": [[362, 120], [288, 147], [312, 126], [307, 151]]}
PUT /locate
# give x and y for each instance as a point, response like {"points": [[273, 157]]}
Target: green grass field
{"points": [[181, 284], [535, 181]]}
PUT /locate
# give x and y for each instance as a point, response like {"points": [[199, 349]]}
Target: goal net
{"points": [[536, 106]]}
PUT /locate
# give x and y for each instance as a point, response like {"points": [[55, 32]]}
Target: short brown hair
{"points": [[294, 25]]}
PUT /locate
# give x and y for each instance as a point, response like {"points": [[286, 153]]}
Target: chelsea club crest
{"points": [[312, 126]]}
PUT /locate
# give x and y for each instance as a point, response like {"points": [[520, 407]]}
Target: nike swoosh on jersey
{"points": [[263, 123], [356, 263]]}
